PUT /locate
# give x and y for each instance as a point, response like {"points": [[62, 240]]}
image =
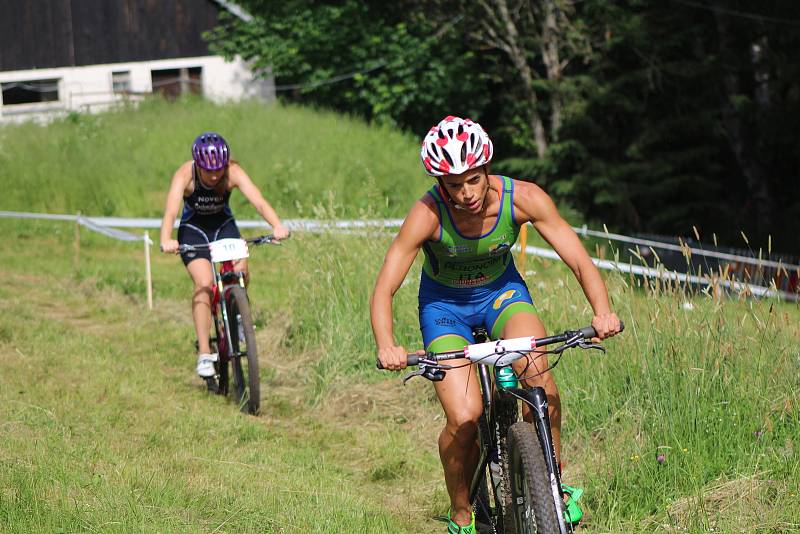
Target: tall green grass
{"points": [[710, 385], [120, 163]]}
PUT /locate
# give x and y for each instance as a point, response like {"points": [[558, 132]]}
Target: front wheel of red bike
{"points": [[221, 365], [243, 352]]}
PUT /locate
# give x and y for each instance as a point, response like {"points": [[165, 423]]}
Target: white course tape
{"points": [[682, 249], [372, 227], [652, 272], [107, 231], [292, 224], [319, 225]]}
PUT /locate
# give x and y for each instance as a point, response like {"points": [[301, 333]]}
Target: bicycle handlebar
{"points": [[587, 332], [268, 239]]}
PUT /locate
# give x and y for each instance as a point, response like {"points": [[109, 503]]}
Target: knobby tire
{"points": [[506, 415], [534, 510], [244, 356], [221, 365]]}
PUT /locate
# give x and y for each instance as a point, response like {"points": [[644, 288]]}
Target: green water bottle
{"points": [[505, 377]]}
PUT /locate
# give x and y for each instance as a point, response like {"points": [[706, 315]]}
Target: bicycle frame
{"points": [[500, 417], [224, 277], [536, 399]]}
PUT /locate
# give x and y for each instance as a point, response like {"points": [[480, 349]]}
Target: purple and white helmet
{"points": [[455, 145], [210, 151]]}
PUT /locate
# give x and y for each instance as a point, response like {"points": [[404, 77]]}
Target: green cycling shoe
{"points": [[572, 512], [453, 528]]}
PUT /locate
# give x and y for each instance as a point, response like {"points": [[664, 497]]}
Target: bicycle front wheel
{"points": [[243, 353], [537, 504]]}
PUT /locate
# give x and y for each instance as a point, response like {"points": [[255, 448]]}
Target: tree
{"points": [[385, 62], [536, 36], [649, 115]]}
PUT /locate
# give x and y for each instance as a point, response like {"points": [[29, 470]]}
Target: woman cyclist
{"points": [[204, 184], [466, 225]]}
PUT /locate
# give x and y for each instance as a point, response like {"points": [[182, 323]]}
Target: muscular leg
{"points": [[459, 394], [203, 279], [528, 324]]}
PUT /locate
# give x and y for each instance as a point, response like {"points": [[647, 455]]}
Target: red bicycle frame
{"points": [[223, 278]]}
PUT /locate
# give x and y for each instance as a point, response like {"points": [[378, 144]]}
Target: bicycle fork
{"points": [[536, 399]]}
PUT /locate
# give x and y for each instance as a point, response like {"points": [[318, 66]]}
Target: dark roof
{"points": [[64, 33]]}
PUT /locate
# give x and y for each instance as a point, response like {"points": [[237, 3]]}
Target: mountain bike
{"points": [[235, 340], [516, 487]]}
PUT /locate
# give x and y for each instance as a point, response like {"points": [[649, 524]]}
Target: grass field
{"points": [[309, 163], [103, 426]]}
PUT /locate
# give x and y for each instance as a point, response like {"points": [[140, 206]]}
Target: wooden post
{"points": [[147, 272], [523, 241], [77, 247]]}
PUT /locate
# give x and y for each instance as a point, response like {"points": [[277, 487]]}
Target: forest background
{"points": [[651, 116]]}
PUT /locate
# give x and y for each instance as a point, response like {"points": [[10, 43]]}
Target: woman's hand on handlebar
{"points": [[394, 358], [606, 325], [170, 246], [280, 232]]}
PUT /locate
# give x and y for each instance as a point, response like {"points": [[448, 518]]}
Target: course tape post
{"points": [[108, 226]]}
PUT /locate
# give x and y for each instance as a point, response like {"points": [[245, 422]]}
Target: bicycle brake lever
{"points": [[419, 372], [584, 345]]}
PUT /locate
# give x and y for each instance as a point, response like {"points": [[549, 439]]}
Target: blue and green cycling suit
{"points": [[470, 281]]}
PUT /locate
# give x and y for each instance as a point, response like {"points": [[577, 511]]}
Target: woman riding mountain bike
{"points": [[204, 184], [466, 225]]}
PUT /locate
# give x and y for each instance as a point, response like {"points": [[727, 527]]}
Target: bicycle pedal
{"points": [[211, 384]]}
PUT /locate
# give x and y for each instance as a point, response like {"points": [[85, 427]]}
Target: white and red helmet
{"points": [[455, 145]]}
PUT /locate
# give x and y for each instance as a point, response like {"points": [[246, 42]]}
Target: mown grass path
{"points": [[104, 428]]}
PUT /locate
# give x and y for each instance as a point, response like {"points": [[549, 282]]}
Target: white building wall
{"points": [[90, 88]]}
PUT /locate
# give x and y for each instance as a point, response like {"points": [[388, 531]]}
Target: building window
{"points": [[174, 82], [30, 92], [121, 81]]}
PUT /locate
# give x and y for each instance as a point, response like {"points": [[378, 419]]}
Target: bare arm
{"points": [[534, 205], [177, 189], [240, 179], [420, 225]]}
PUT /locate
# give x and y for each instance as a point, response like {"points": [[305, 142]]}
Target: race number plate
{"points": [[228, 250], [501, 352]]}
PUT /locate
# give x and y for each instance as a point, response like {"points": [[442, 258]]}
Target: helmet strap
{"points": [[445, 194]]}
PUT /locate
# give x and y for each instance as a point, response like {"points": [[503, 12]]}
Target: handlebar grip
{"points": [[413, 359], [589, 332]]}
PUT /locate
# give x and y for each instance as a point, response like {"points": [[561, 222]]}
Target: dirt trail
{"points": [[358, 415]]}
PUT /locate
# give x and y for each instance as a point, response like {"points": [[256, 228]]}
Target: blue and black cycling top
{"points": [[205, 205]]}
